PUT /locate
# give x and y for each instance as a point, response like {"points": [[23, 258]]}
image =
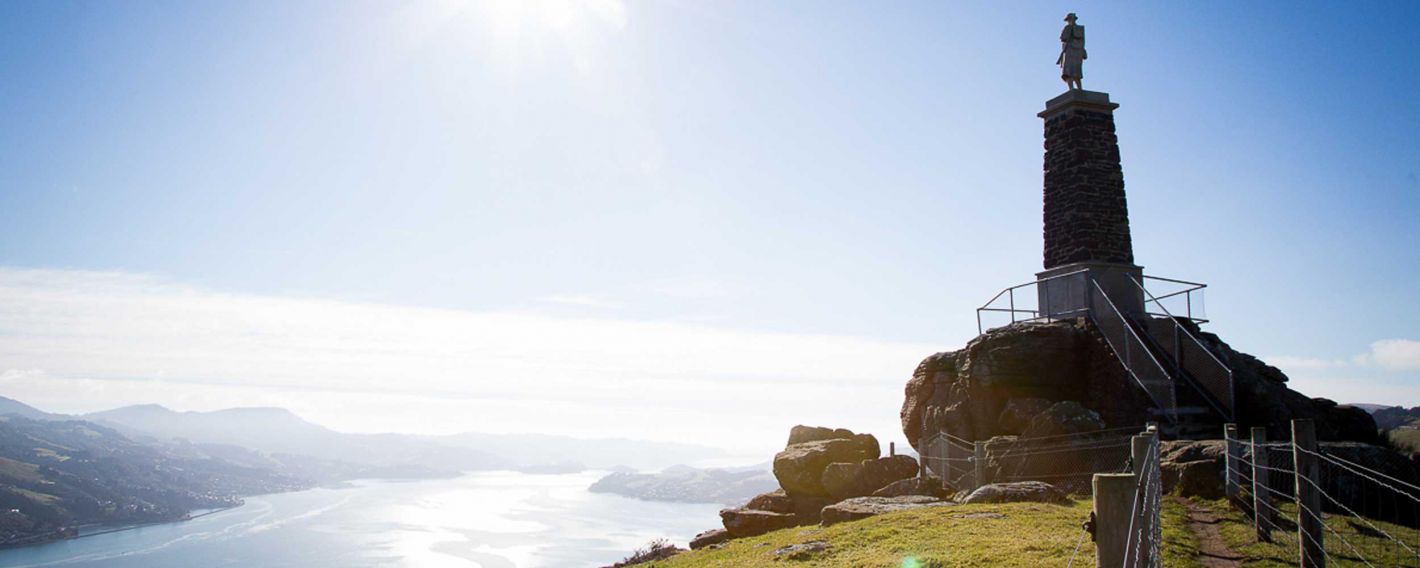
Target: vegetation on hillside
{"points": [[1024, 535], [56, 475]]}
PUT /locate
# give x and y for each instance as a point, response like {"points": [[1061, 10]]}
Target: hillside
{"points": [[59, 474], [1023, 535], [690, 485], [280, 432], [1400, 425]]}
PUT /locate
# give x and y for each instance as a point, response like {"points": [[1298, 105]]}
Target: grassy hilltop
{"points": [[1026, 535]]}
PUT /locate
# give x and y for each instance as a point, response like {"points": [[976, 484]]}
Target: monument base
{"points": [[1066, 290]]}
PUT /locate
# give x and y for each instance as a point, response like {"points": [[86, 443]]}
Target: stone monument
{"points": [[1086, 215]]}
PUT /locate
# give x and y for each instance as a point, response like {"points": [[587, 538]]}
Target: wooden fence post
{"points": [[1261, 508], [1309, 526], [1233, 477], [978, 461], [1113, 507]]}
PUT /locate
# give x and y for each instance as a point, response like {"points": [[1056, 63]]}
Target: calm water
{"points": [[488, 520]]}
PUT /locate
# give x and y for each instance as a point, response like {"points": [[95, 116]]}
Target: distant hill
{"points": [[1400, 425], [57, 474], [691, 485], [278, 431], [12, 406]]}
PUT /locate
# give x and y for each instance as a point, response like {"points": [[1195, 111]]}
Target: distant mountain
{"points": [[1392, 417], [59, 474], [12, 406], [691, 485], [279, 432]]}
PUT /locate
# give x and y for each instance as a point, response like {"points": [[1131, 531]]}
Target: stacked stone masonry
{"points": [[1086, 216]]}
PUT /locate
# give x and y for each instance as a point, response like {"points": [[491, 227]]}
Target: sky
{"points": [[698, 221]]}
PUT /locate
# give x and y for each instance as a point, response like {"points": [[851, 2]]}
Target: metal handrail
{"points": [[1188, 292], [1010, 292], [1127, 361], [1228, 401]]}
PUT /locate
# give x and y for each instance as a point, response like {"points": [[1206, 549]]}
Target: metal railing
{"points": [[1132, 352], [1188, 299], [1024, 306], [1189, 354], [952, 459], [1028, 306]]}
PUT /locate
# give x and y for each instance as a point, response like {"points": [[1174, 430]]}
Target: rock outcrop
{"points": [[804, 507], [844, 480], [1017, 492], [1193, 468], [818, 468], [930, 486], [1010, 381], [799, 468], [864, 507], [741, 522], [711, 537]]}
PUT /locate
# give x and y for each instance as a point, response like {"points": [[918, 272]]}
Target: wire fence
{"points": [[1142, 550], [1065, 461], [953, 460], [1327, 505]]}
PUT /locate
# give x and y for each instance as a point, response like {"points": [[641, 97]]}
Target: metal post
{"points": [[1234, 454], [1139, 452], [1012, 295], [978, 461], [1261, 509], [1113, 508], [1309, 527]]}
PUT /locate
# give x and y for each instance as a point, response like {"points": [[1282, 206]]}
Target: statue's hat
{"points": [[1070, 17]]}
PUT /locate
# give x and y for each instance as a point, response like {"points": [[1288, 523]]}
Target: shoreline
{"points": [[122, 528]]}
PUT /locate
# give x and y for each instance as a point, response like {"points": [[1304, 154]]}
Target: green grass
{"points": [[1237, 531], [1405, 439], [19, 471], [1025, 535]]}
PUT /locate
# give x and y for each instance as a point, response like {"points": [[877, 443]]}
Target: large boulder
{"points": [[740, 522], [1193, 468], [804, 507], [799, 468], [709, 538], [930, 486], [800, 434], [1062, 419], [1202, 478], [844, 480], [1017, 414], [1020, 491], [864, 507]]}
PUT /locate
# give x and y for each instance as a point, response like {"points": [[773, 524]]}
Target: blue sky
{"points": [[801, 169]]}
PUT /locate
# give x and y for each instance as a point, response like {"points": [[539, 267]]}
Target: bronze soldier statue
{"points": [[1072, 53]]}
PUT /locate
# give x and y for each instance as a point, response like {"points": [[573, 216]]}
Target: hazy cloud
{"points": [[78, 341]]}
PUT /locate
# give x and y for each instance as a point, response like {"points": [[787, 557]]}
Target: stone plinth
{"points": [[1066, 291], [1086, 216]]}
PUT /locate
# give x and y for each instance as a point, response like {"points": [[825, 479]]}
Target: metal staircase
{"points": [[1192, 390]]}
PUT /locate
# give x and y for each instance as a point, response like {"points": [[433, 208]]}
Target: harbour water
{"points": [[480, 520]]}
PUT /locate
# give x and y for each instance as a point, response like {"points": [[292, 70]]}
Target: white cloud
{"points": [[1396, 354], [74, 341]]}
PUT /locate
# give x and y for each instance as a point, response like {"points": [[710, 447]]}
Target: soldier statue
{"points": [[1072, 53]]}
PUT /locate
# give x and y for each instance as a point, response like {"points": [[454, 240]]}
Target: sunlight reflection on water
{"points": [[483, 520]]}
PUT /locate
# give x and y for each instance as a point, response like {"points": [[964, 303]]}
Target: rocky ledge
{"points": [[1041, 379]]}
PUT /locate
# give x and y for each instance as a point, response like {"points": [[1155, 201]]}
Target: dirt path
{"points": [[1212, 551]]}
